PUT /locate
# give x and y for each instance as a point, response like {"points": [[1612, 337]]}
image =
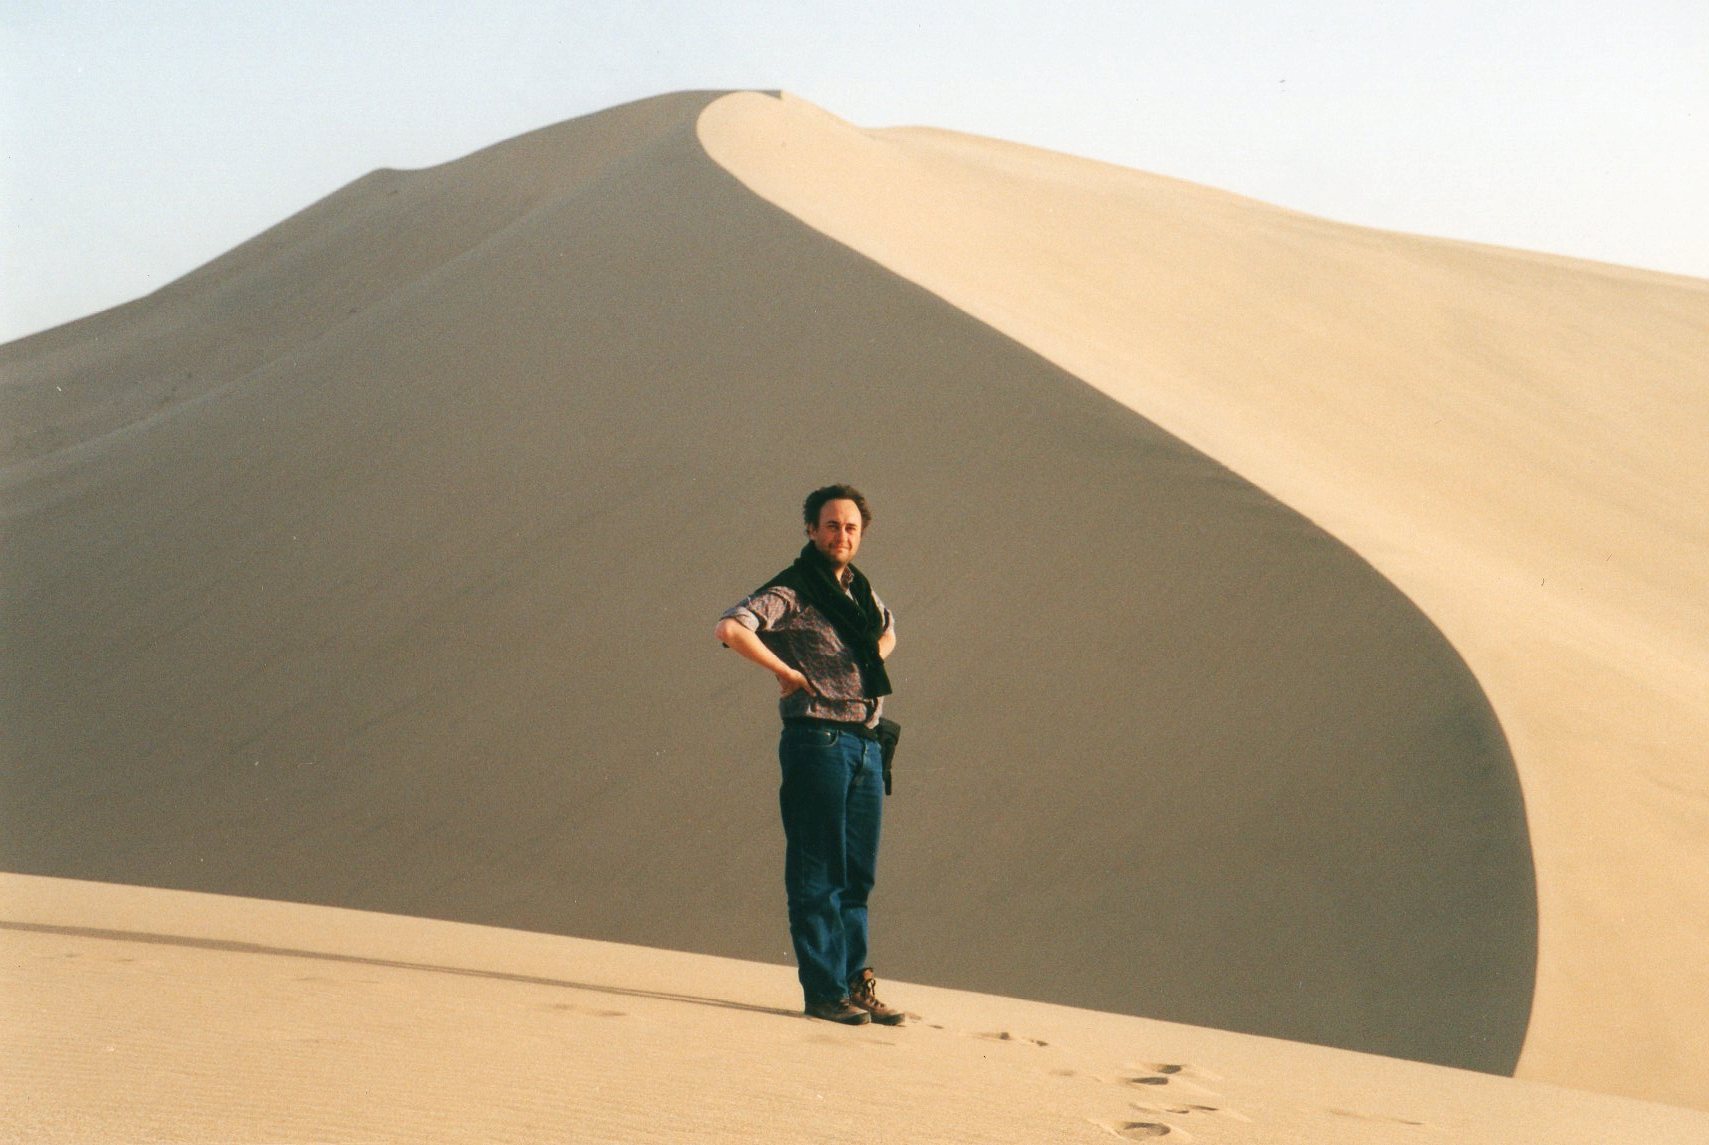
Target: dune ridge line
{"points": [[1513, 439]]}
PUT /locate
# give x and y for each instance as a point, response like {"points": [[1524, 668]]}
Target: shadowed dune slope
{"points": [[374, 565]]}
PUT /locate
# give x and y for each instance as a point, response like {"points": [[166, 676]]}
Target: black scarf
{"points": [[858, 621]]}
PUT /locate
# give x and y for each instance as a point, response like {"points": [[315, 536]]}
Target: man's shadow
{"points": [[358, 960]]}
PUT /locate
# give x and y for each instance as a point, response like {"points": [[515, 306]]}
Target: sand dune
{"points": [[406, 607], [373, 566], [260, 1021], [1517, 441]]}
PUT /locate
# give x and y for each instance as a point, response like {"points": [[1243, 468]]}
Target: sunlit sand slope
{"points": [[375, 565], [142, 1015], [1520, 442]]}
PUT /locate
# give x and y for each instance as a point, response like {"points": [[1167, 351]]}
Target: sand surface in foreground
{"points": [[135, 1015], [1517, 441]]}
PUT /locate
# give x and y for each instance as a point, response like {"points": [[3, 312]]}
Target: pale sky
{"points": [[141, 138]]}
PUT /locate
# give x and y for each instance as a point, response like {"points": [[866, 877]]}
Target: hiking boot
{"points": [[862, 993], [838, 1010]]}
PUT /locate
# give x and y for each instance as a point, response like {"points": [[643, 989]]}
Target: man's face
{"points": [[837, 535]]}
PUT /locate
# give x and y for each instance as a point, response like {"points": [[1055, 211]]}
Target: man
{"points": [[821, 630]]}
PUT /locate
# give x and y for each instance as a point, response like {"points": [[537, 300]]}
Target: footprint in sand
{"points": [[572, 1008], [1187, 1108], [1164, 1073], [1188, 1079], [1006, 1036], [1372, 1117], [1145, 1130]]}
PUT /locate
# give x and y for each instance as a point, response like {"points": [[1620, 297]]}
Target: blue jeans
{"points": [[832, 798]]}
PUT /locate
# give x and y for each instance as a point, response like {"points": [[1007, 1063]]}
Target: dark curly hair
{"points": [[816, 501]]}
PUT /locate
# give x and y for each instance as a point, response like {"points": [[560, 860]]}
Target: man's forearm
{"points": [[741, 639]]}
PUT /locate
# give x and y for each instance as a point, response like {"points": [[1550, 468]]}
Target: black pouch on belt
{"points": [[889, 731]]}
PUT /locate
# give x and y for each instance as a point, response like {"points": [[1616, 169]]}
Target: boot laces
{"points": [[866, 988]]}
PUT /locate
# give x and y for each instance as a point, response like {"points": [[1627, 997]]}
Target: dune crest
{"points": [[1515, 440]]}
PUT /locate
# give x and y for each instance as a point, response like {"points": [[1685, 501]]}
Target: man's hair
{"points": [[816, 501]]}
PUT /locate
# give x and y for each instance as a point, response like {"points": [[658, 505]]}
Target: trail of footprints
{"points": [[1152, 1078], [1186, 1082]]}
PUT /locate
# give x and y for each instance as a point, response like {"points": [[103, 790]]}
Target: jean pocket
{"points": [[809, 738]]}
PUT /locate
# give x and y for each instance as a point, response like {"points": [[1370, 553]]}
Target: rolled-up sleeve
{"points": [[760, 612]]}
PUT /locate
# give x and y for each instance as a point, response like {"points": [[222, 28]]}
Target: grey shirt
{"points": [[804, 639]]}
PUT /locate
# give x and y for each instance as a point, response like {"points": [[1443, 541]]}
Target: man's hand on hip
{"points": [[793, 681]]}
